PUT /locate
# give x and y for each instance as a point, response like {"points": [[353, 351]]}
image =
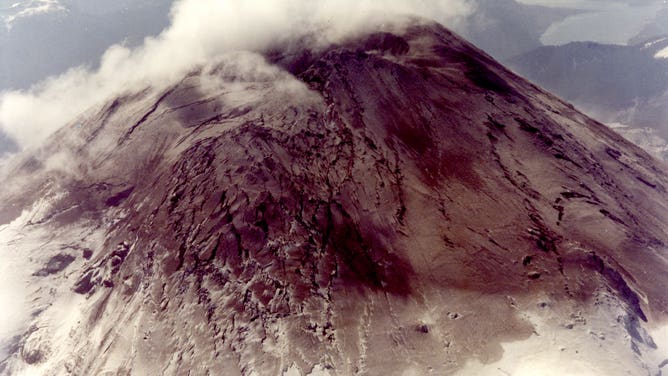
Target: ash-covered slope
{"points": [[395, 204]]}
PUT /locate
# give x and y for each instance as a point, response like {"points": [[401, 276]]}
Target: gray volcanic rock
{"points": [[395, 204]]}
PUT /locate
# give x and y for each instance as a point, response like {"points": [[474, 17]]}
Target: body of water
{"points": [[603, 22]]}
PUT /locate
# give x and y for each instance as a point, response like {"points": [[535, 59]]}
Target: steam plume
{"points": [[200, 30]]}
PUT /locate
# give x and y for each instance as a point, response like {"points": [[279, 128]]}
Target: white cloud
{"points": [[200, 31], [32, 8]]}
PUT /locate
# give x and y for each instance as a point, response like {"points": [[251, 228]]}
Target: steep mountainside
{"points": [[395, 204], [624, 84]]}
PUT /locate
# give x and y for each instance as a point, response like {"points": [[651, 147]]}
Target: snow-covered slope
{"points": [[646, 138]]}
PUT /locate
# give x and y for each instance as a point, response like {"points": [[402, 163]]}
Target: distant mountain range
{"points": [[506, 28], [615, 84], [603, 79]]}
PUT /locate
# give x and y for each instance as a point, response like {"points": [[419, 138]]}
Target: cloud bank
{"points": [[200, 31]]}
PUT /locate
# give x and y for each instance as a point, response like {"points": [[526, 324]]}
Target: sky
{"points": [[201, 29]]}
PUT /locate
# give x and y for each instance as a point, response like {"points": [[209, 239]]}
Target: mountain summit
{"points": [[398, 203]]}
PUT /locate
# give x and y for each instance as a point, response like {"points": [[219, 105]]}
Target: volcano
{"points": [[397, 203]]}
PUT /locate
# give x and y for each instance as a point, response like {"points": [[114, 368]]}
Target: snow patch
{"points": [[654, 42], [662, 54], [13, 292], [574, 344], [39, 311], [318, 370], [660, 336]]}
